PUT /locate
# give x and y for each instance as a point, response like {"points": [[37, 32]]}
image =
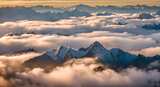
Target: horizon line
{"points": [[6, 3]]}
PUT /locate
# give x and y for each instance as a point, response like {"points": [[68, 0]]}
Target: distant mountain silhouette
{"points": [[52, 14]]}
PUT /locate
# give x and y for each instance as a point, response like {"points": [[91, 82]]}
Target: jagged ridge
{"points": [[115, 57]]}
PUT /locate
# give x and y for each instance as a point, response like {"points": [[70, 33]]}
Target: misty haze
{"points": [[80, 46]]}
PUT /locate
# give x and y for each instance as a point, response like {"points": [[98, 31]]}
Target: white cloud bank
{"points": [[80, 74], [41, 43]]}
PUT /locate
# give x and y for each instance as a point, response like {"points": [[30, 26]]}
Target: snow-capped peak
{"points": [[114, 57], [96, 45]]}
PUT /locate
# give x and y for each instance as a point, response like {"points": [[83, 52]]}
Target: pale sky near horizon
{"points": [[64, 3]]}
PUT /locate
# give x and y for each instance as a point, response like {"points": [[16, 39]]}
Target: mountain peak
{"points": [[97, 44], [115, 57], [82, 5]]}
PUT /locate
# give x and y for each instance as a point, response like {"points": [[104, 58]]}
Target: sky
{"points": [[64, 3]]}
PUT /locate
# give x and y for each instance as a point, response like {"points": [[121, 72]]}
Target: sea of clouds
{"points": [[42, 35], [78, 74], [113, 31]]}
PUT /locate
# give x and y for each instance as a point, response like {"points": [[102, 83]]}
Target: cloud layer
{"points": [[118, 30], [80, 73], [113, 31]]}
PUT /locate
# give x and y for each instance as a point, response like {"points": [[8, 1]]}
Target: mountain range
{"points": [[114, 58], [53, 14]]}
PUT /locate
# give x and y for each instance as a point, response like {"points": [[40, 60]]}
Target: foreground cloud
{"points": [[79, 73]]}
